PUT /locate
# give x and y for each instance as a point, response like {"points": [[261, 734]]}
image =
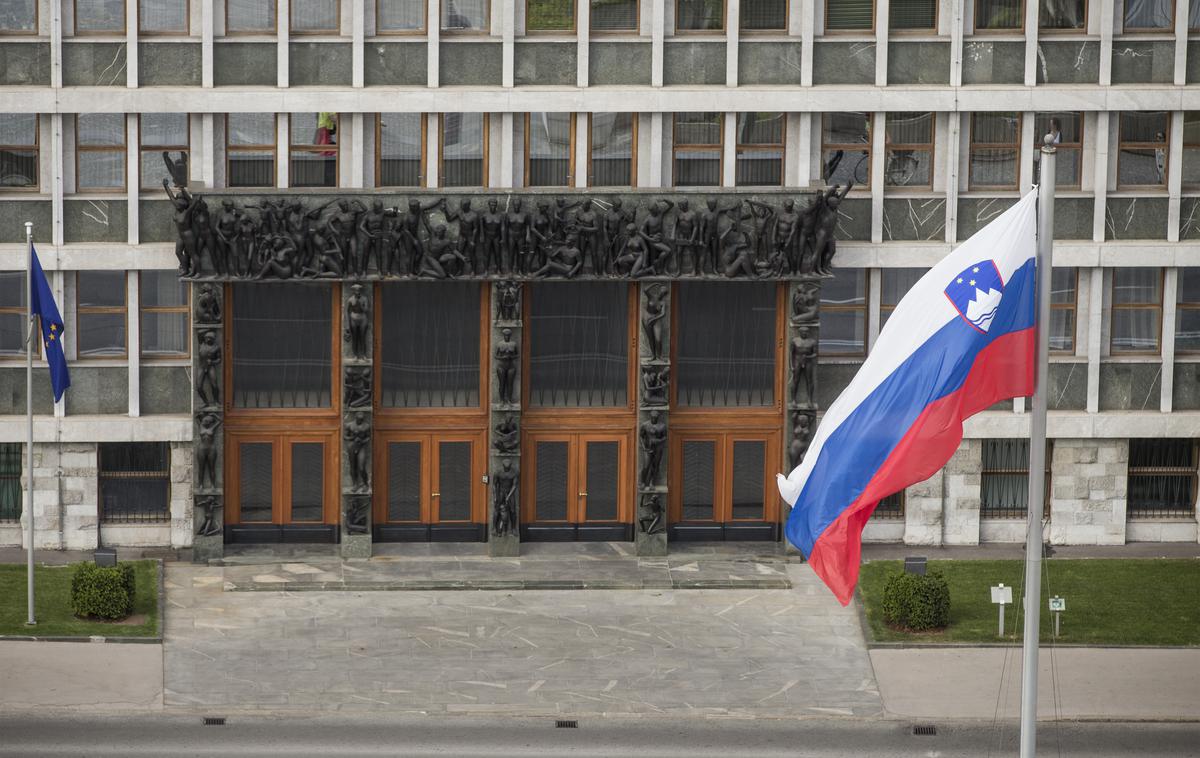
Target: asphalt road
{"points": [[33, 736]]}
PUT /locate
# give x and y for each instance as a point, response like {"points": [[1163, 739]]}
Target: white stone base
{"points": [[1161, 530]]}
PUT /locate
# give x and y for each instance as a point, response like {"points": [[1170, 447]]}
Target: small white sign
{"points": [[1002, 595], [1058, 604]]}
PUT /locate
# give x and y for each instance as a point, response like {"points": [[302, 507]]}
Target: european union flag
{"points": [[43, 306]]}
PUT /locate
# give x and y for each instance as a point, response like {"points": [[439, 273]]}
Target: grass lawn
{"points": [[52, 592], [1109, 602]]}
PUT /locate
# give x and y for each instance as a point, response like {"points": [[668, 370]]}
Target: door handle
{"points": [[435, 494], [583, 494]]}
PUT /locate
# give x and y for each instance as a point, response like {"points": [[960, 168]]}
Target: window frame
{"points": [[1134, 513], [293, 32], [1114, 306], [273, 149], [781, 30], [634, 31], [1165, 146], [485, 132], [1077, 146], [923, 31], [739, 147], [165, 474], [80, 149], [677, 148], [1015, 146], [185, 309], [930, 147], [272, 32], [1182, 305], [422, 174], [487, 32], [1072, 306], [75, 31], [633, 157], [19, 310], [161, 148], [307, 148], [422, 30], [680, 32], [571, 162], [86, 310], [1006, 514], [574, 4], [864, 308], [36, 147], [37, 21], [884, 306], [1168, 29], [982, 31], [1082, 29], [827, 32], [184, 32], [868, 146]]}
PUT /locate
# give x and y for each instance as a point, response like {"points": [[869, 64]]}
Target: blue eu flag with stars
{"points": [[44, 307]]}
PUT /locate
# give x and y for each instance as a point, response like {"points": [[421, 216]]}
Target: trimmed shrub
{"points": [[105, 593], [916, 602]]}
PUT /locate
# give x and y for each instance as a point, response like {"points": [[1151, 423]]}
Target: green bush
{"points": [[917, 602], [105, 593]]}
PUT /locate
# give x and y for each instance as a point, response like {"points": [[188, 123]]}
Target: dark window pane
{"points": [[763, 15], [579, 344], [134, 481], [255, 487], [463, 138], [100, 16], [698, 168], [1063, 14], [999, 14], [465, 15], [550, 485], [164, 334], [308, 481], [726, 344], [912, 14], [844, 15], [1137, 286], [454, 481], [1004, 482], [10, 481], [549, 15], [602, 480], [1162, 478], [251, 169], [282, 345], [614, 15], [18, 16], [430, 345], [699, 15], [404, 481], [250, 129], [315, 15], [703, 128], [163, 16], [400, 15], [1149, 14], [612, 150], [749, 461], [550, 143], [250, 16], [698, 470], [399, 150]]}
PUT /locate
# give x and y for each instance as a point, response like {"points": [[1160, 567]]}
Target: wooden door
{"points": [[722, 484], [429, 486], [282, 479], [576, 481]]}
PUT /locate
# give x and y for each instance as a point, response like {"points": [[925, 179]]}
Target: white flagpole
{"points": [[29, 412], [1037, 454]]}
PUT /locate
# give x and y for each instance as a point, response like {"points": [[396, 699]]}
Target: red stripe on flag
{"points": [[1004, 369]]}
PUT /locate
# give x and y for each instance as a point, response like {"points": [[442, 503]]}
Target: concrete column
{"points": [[133, 323], [504, 482], [656, 155], [132, 177], [356, 368], [583, 30], [956, 47], [433, 153], [283, 15], [1170, 296], [1181, 40], [732, 27], [357, 49], [208, 436], [282, 142], [874, 296], [507, 42], [1174, 175], [1029, 142], [808, 20], [206, 43], [1106, 41], [953, 143], [804, 151], [209, 156], [582, 122], [882, 24], [1095, 335], [357, 154], [878, 156], [433, 36], [56, 44], [506, 152], [658, 22], [1031, 43], [793, 147], [131, 43], [58, 282], [650, 524], [1100, 175], [729, 151], [56, 177]]}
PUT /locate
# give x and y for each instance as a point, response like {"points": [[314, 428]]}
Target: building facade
{"points": [[930, 109]]}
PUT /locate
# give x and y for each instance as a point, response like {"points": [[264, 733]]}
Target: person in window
{"points": [[1160, 155]]}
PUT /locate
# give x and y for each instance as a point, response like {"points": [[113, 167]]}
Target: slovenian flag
{"points": [[961, 340]]}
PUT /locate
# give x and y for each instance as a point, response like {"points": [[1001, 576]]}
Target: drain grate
{"points": [[566, 724], [924, 730], [214, 721]]}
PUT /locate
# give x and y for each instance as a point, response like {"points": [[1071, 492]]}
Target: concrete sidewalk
{"points": [[81, 675]]}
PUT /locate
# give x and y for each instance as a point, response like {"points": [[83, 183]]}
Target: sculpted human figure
{"points": [[432, 253], [297, 223], [653, 436], [468, 233], [208, 307], [358, 386], [654, 233], [561, 217], [504, 489], [506, 354], [651, 512], [210, 525], [516, 239], [207, 384], [329, 255], [687, 236], [762, 220], [372, 239], [507, 435], [565, 260], [824, 239], [358, 443], [736, 257], [540, 234], [634, 259], [408, 233], [492, 237], [591, 243], [185, 242], [787, 222], [206, 240], [445, 251], [652, 319], [281, 263], [655, 381], [804, 305], [226, 236], [804, 353], [509, 300], [801, 435], [710, 233], [246, 248], [615, 222], [357, 322], [206, 450], [358, 515]]}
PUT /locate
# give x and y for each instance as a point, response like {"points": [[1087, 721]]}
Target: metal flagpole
{"points": [[29, 412], [1037, 453]]}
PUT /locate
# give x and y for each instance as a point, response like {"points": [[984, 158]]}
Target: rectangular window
{"points": [[763, 15], [99, 16], [1063, 304], [995, 147], [1064, 14], [463, 154], [400, 150], [614, 16], [1162, 478], [19, 17], [843, 325], [696, 150], [549, 15], [549, 149], [725, 344], [1142, 154], [912, 15], [282, 345], [19, 151], [163, 16], [1187, 311], [100, 152], [100, 314], [1149, 15], [760, 149], [250, 150], [1067, 130], [313, 150], [399, 16], [429, 345], [999, 15], [579, 345], [1191, 148], [164, 315], [846, 145], [1136, 310], [250, 17], [909, 138], [894, 285], [613, 150], [12, 314], [467, 16], [315, 16], [10, 481], [134, 481], [891, 508], [162, 133], [699, 15], [849, 15], [1004, 480]]}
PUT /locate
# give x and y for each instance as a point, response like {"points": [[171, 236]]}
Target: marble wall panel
{"points": [[694, 62], [974, 213], [14, 214], [619, 63], [95, 221], [98, 389], [1193, 62], [470, 63], [1185, 392], [395, 63], [1142, 62], [244, 63], [918, 62], [1067, 389], [174, 64], [844, 62], [993, 62], [1135, 218], [1130, 386], [544, 63], [854, 219], [25, 63], [319, 64], [769, 63], [12, 390], [93, 64], [165, 389], [1068, 62], [914, 218], [1073, 218], [1189, 218], [156, 221]]}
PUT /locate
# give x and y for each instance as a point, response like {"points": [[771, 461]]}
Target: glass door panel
{"points": [[749, 466], [452, 497], [601, 480], [551, 496], [699, 480], [256, 479], [308, 481], [404, 481]]}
